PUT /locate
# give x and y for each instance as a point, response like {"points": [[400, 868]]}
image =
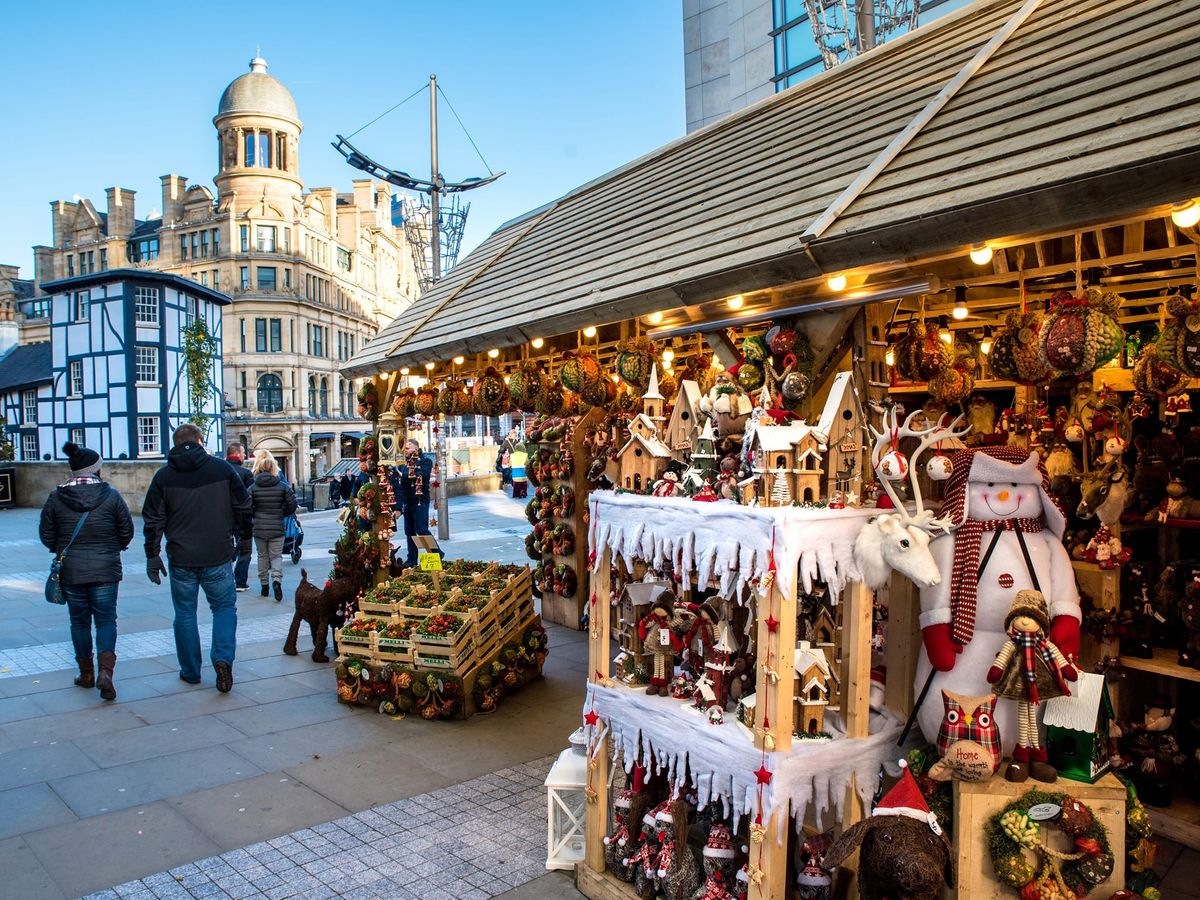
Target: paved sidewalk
{"points": [[98, 794]]}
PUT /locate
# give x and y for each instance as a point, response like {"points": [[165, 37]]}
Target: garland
{"points": [[199, 348], [1058, 876]]}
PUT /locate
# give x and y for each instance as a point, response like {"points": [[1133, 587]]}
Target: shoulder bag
{"points": [[54, 593]]}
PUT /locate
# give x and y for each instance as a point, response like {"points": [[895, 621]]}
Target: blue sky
{"points": [[555, 92]]}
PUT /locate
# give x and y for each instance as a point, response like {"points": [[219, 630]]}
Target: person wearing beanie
{"points": [[272, 500], [235, 455], [91, 569], [198, 503]]}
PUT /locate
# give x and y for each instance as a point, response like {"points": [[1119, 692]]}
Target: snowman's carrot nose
{"points": [[1002, 496]]}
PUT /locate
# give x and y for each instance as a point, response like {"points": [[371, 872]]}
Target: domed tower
{"points": [[258, 134]]}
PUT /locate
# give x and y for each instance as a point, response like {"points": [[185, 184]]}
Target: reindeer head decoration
{"points": [[1105, 495], [899, 541]]}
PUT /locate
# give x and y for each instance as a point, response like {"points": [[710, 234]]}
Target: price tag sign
{"points": [[430, 562], [1044, 812]]}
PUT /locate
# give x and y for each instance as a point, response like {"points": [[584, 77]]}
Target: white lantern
{"points": [[566, 810], [893, 466], [939, 467]]}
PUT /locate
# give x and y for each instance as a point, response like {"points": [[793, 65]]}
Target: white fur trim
{"points": [[938, 616], [722, 853], [921, 814], [1065, 608], [988, 468]]}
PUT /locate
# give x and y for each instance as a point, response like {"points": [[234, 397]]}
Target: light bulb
{"points": [[981, 254], [537, 343], [458, 360], [946, 336], [590, 331], [616, 378], [836, 282], [668, 355], [890, 357], [429, 366], [985, 346], [506, 377], [493, 353], [655, 318], [404, 371], [717, 364], [960, 310], [736, 302], [1186, 214]]}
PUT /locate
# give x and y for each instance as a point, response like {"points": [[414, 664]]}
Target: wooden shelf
{"points": [[1178, 822], [1163, 664], [983, 384]]}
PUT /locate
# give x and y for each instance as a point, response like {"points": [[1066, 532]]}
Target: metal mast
{"points": [[438, 183]]}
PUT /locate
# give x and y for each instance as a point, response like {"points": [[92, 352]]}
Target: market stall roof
{"points": [[1007, 117]]}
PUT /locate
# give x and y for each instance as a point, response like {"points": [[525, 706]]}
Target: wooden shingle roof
{"points": [[1079, 87]]}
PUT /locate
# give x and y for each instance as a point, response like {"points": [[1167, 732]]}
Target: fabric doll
{"points": [[659, 631]]}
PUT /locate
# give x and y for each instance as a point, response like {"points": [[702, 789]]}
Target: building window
{"points": [[343, 259], [75, 377], [245, 276], [242, 333], [77, 436], [144, 250], [191, 306], [80, 301], [266, 278], [204, 278], [260, 335], [148, 439], [270, 394], [325, 397], [103, 259], [216, 279], [29, 447], [287, 239], [146, 305], [196, 245], [276, 335], [216, 242], [70, 266], [244, 233], [312, 395], [265, 238], [243, 374], [183, 246], [146, 366], [28, 407], [249, 148], [87, 262], [287, 278]]}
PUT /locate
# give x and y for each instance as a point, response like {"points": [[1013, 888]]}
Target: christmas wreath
{"points": [[1058, 875], [368, 402]]}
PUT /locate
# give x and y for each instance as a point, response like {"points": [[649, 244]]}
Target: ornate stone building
{"points": [[313, 273]]}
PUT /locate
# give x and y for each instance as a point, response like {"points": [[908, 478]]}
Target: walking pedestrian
{"points": [[415, 474], [346, 487], [520, 483], [91, 568], [235, 455], [504, 457], [272, 500], [199, 503]]}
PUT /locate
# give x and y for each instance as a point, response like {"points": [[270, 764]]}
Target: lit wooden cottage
{"points": [[810, 693], [787, 460], [632, 605], [644, 457], [120, 381], [684, 424]]}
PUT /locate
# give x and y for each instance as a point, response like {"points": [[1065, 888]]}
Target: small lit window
{"points": [[146, 305]]}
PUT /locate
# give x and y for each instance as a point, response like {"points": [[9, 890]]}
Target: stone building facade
{"points": [[313, 273]]}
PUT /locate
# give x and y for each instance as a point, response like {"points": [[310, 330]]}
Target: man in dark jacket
{"points": [[200, 504], [416, 472], [346, 487], [235, 455]]}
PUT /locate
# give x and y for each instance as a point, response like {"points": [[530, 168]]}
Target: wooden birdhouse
{"points": [[787, 462], [810, 689], [632, 605], [1077, 729], [842, 434], [684, 424], [641, 462]]}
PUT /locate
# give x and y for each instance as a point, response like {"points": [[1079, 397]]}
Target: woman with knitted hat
{"points": [[91, 569]]}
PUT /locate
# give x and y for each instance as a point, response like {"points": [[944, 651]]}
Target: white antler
{"points": [[893, 432]]}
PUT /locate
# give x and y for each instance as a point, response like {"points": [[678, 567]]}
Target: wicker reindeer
{"points": [[899, 540]]}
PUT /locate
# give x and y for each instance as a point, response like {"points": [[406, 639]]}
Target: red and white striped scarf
{"points": [[666, 857], [964, 575], [1030, 646]]}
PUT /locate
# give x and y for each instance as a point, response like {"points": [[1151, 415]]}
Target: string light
{"points": [[736, 302], [590, 331], [960, 311], [985, 345], [655, 318], [668, 355], [890, 357], [493, 353], [616, 378], [836, 283], [506, 377], [981, 254], [404, 371], [429, 367], [946, 335], [459, 360], [537, 343], [1186, 214]]}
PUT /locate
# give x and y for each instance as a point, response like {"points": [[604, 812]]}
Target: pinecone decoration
{"points": [[453, 400], [526, 386], [635, 359], [404, 403]]}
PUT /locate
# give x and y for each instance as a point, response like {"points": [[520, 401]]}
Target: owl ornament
{"points": [[968, 741]]}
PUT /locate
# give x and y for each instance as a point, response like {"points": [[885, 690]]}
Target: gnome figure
{"points": [[1007, 538], [617, 844], [718, 857]]}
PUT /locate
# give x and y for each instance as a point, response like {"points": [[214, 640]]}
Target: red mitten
{"points": [[940, 647], [994, 674], [1070, 673], [1064, 634]]}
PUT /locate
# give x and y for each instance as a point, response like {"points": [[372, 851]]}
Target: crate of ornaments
{"points": [[444, 641]]}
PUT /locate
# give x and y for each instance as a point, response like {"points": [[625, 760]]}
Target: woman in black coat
{"points": [[273, 500], [91, 570]]}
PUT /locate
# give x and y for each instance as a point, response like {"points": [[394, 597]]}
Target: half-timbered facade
{"points": [[119, 382], [25, 393]]}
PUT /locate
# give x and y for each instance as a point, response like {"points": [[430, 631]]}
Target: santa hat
{"points": [[651, 816], [720, 843], [906, 799], [1008, 465], [624, 799]]}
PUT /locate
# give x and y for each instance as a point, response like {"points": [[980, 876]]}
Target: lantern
{"points": [[566, 810]]}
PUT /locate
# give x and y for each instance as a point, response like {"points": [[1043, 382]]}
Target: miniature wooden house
{"points": [[787, 460], [632, 605], [1077, 729], [810, 693], [644, 457], [841, 430], [685, 420]]}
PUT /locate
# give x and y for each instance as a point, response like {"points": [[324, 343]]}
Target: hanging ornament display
{"points": [[579, 369], [368, 401], [404, 403], [526, 386], [928, 354], [750, 376], [489, 396], [1179, 341], [1080, 334], [453, 399], [700, 370], [1153, 376], [426, 402], [794, 387], [1015, 354], [667, 386], [635, 358], [939, 467], [951, 385], [554, 401], [893, 466]]}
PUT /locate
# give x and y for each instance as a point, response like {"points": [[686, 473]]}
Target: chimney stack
{"points": [[120, 211], [173, 189]]}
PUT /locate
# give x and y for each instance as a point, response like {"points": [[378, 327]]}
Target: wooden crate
{"points": [[975, 803]]}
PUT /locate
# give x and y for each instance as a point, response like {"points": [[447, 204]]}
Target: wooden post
{"points": [[903, 644], [600, 599], [856, 678]]}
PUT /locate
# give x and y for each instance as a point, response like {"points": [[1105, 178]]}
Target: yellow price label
{"points": [[430, 562]]}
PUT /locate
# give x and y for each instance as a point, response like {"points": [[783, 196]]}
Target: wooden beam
{"points": [[903, 645], [856, 678], [598, 671]]}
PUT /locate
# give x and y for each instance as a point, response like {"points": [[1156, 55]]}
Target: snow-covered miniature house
{"points": [[684, 423], [632, 605], [810, 693], [1077, 729], [642, 460], [787, 460]]}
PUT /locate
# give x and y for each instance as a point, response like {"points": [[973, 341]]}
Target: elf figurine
{"points": [[1030, 669], [660, 631]]}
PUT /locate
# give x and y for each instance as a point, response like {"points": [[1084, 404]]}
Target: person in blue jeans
{"points": [[416, 472], [198, 502], [91, 569], [235, 455]]}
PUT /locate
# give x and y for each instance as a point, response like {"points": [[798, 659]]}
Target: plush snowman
{"points": [[995, 497]]}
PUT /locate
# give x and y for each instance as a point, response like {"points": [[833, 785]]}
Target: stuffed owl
{"points": [[968, 739]]}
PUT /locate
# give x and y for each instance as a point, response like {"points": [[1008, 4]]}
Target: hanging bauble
{"points": [[1114, 446], [490, 394], [368, 401], [1015, 355], [902, 351], [951, 385], [939, 467], [404, 403], [1153, 376], [781, 341], [667, 386], [635, 358], [1080, 334], [453, 399], [893, 466], [929, 355], [1179, 341], [755, 349], [595, 393], [579, 369], [750, 376], [700, 370], [794, 386], [426, 402], [526, 385], [1074, 431], [627, 400]]}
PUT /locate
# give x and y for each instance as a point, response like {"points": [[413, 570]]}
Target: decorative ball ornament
{"points": [[893, 466], [939, 468], [750, 376], [1074, 432], [794, 386], [1114, 446]]}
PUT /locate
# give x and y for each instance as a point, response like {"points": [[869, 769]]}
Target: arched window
{"points": [[270, 394], [324, 396], [312, 395]]}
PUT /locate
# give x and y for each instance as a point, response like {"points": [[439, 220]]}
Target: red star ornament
{"points": [[591, 718], [772, 624], [763, 774]]}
